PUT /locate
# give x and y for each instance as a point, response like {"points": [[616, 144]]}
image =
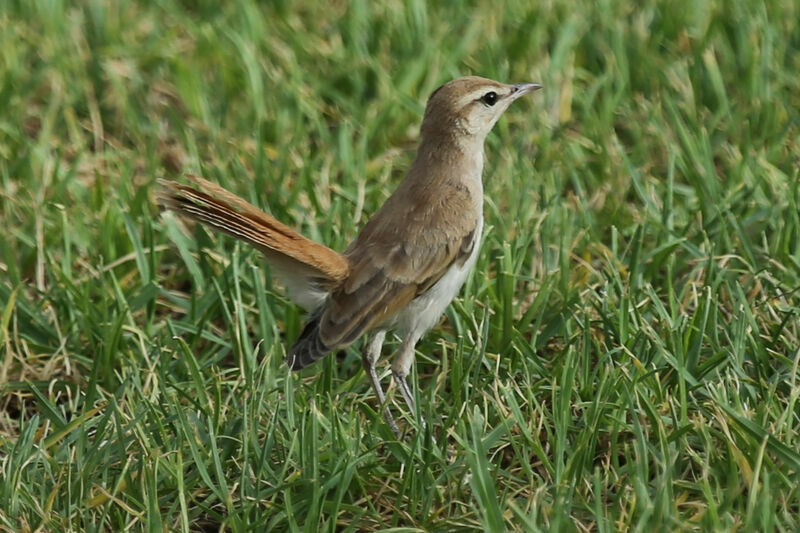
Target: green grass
{"points": [[625, 355]]}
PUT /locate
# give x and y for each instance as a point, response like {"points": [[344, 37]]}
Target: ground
{"points": [[624, 356]]}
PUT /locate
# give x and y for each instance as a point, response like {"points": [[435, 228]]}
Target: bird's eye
{"points": [[489, 98]]}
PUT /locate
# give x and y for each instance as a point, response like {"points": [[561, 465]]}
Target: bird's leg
{"points": [[401, 365], [372, 351]]}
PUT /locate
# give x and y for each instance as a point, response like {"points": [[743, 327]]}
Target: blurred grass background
{"points": [[625, 355]]}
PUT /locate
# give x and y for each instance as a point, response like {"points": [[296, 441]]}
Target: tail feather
{"points": [[212, 205], [309, 346], [308, 269]]}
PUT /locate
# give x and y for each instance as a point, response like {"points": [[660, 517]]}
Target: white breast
{"points": [[424, 311]]}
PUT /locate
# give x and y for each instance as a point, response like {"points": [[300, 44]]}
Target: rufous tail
{"points": [[224, 211]]}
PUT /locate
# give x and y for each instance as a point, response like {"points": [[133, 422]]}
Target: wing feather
{"points": [[391, 265]]}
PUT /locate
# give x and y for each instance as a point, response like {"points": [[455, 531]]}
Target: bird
{"points": [[409, 260]]}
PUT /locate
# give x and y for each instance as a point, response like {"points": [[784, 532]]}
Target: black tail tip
{"points": [[294, 362], [305, 352], [308, 348]]}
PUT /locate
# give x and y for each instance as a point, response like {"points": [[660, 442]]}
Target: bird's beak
{"points": [[521, 89]]}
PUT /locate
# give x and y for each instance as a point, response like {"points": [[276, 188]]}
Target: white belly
{"points": [[424, 311]]}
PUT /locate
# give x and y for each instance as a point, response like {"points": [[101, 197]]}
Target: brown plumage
{"points": [[408, 261]]}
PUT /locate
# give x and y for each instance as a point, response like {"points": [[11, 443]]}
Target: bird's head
{"points": [[469, 107]]}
